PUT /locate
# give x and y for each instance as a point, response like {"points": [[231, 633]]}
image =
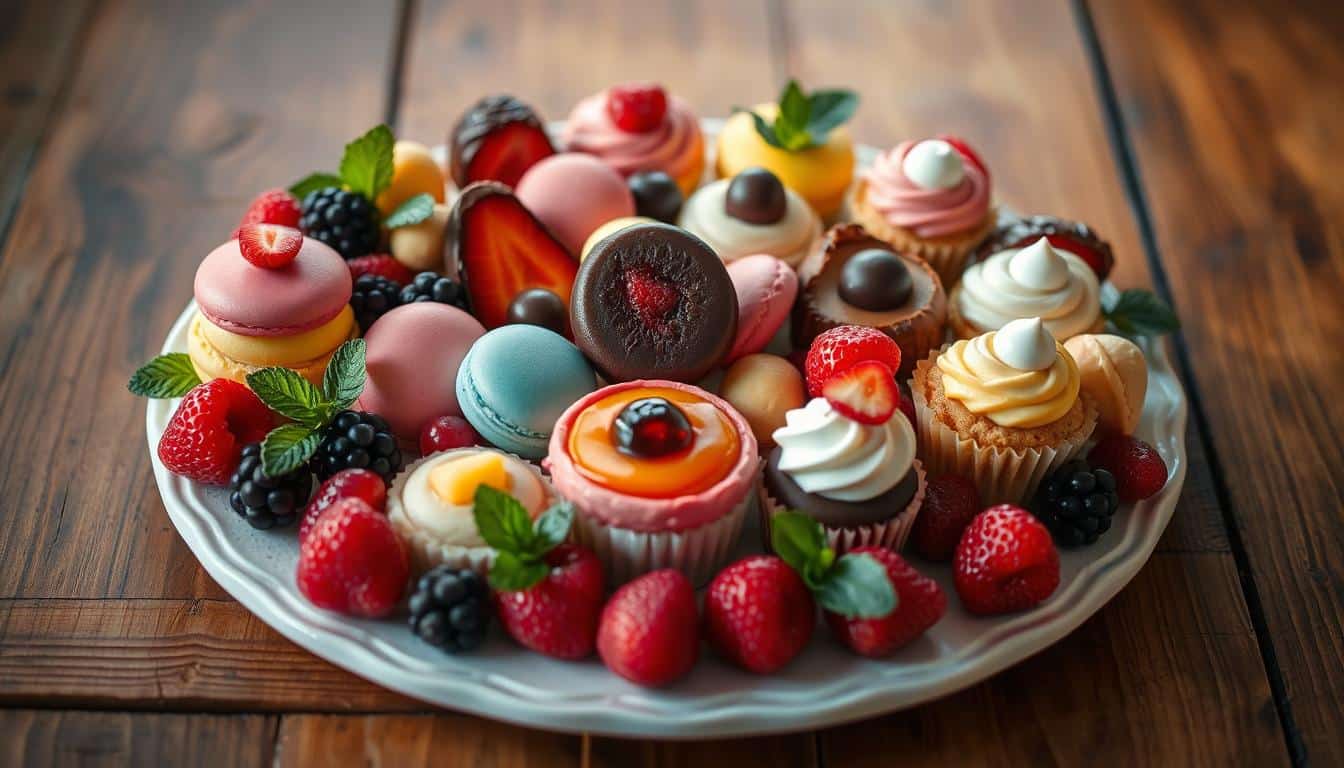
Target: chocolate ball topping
{"points": [[656, 196], [538, 306], [875, 279], [756, 196]]}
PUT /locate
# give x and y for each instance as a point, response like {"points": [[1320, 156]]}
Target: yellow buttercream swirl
{"points": [[974, 375]]}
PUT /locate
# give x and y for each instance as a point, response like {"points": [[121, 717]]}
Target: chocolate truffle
{"points": [[657, 196], [875, 279], [757, 197], [538, 306]]}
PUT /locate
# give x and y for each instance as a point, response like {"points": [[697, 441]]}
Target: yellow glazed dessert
{"points": [[414, 172]]}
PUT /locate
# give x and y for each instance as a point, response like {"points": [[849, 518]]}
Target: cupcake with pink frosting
{"points": [[637, 127], [929, 199]]}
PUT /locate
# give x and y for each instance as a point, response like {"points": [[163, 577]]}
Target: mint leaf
{"points": [[343, 381], [366, 166], [552, 527], [170, 375], [857, 587], [413, 211], [1141, 313], [792, 137], [290, 395], [794, 107], [829, 110], [501, 520], [313, 182], [764, 129], [511, 573], [287, 447], [800, 541]]}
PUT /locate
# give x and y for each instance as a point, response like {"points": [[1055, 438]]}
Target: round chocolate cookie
{"points": [[839, 514], [652, 301]]}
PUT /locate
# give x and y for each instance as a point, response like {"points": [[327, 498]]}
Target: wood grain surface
{"points": [[1198, 137]]}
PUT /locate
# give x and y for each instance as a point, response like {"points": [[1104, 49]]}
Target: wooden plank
{"points": [[1233, 114], [781, 751], [179, 114], [34, 738], [1186, 652]]}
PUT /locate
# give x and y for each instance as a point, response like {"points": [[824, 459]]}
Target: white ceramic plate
{"points": [[824, 686]]}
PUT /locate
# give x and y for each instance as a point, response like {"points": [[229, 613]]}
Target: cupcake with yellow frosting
{"points": [[801, 139], [1004, 409], [1038, 280]]}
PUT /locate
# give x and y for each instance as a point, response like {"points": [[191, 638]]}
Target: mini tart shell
{"points": [[964, 329], [423, 547], [891, 533], [947, 254], [915, 334], [1006, 464]]}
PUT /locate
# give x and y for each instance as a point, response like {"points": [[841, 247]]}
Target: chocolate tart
{"points": [[915, 323]]}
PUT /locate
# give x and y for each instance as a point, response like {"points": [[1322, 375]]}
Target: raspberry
{"points": [[558, 616], [446, 433], [652, 298], [274, 206], [1138, 468], [205, 436], [637, 107], [843, 347], [920, 603], [269, 246], [352, 562], [648, 633], [382, 265], [348, 483], [759, 614], [950, 503], [1005, 562]]}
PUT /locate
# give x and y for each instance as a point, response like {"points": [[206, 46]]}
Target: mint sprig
{"points": [[805, 120], [366, 167], [313, 182], [413, 211], [1137, 312], [520, 544], [170, 375], [855, 586]]}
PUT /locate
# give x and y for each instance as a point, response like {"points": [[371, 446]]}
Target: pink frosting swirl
{"points": [[673, 146], [926, 212]]}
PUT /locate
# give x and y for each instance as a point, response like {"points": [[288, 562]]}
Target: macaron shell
{"points": [[573, 194], [766, 288], [412, 356], [248, 300], [211, 363]]}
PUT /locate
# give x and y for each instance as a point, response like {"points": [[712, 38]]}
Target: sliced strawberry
{"points": [[269, 246], [501, 250], [962, 147], [866, 392], [497, 139]]}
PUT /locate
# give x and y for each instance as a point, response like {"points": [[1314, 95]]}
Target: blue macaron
{"points": [[516, 381]]}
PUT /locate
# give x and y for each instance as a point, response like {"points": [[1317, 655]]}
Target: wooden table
{"points": [[1203, 138]]}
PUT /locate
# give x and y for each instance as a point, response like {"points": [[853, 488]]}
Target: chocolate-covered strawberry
{"points": [[497, 139]]}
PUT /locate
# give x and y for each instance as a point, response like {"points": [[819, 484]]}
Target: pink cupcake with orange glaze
{"points": [[929, 199], [637, 127], [661, 474]]}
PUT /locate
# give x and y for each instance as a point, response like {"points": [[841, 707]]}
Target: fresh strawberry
{"points": [[652, 298], [865, 392], [446, 433], [353, 562], [274, 206], [269, 246], [205, 436], [920, 603], [498, 139], [843, 347], [637, 107], [964, 149], [1072, 236], [951, 502], [380, 264], [1005, 562], [647, 633], [759, 614], [1138, 468], [348, 483], [501, 250]]}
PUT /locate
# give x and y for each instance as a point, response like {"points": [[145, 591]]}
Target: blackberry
{"points": [[450, 609], [357, 440], [430, 286], [1077, 503], [266, 501], [372, 297], [344, 220]]}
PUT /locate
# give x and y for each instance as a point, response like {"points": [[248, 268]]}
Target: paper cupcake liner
{"points": [[697, 552], [890, 534], [948, 256], [424, 548], [1002, 475]]}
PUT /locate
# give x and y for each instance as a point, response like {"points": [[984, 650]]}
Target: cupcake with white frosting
{"points": [[1003, 409], [861, 482], [752, 213], [1038, 280]]}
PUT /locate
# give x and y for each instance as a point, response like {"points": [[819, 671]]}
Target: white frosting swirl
{"points": [[840, 459], [1036, 281], [933, 164], [455, 524], [789, 239], [1024, 344]]}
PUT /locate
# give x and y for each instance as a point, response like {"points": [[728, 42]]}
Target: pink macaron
{"points": [[766, 288], [248, 300], [574, 194]]}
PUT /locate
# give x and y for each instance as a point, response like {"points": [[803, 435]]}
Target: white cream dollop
{"points": [[933, 164], [1036, 281], [1024, 344], [840, 459], [455, 524], [790, 239]]}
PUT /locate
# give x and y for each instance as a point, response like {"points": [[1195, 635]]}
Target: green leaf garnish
{"points": [[830, 109], [1137, 312], [511, 573], [366, 166], [520, 544], [343, 381], [170, 375], [855, 585], [290, 395], [552, 528], [413, 211], [287, 447], [313, 182], [805, 120]]}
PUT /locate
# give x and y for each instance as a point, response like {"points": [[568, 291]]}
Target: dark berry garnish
{"points": [[538, 306], [358, 440], [431, 286], [651, 427], [450, 609], [656, 196], [346, 221], [1077, 503], [372, 297], [265, 501]]}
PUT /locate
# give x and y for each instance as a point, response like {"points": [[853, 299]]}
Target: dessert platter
{"points": [[646, 424]]}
